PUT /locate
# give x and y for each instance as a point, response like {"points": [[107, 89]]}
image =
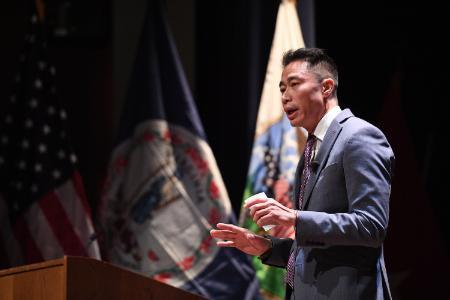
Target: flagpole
{"points": [[40, 7]]}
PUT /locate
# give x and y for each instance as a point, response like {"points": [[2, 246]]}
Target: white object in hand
{"points": [[260, 196]]}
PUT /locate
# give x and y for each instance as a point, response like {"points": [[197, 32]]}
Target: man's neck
{"points": [[333, 102]]}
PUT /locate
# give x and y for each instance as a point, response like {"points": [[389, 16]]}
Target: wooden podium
{"points": [[82, 278]]}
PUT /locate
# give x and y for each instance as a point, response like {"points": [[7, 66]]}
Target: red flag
{"points": [[44, 213]]}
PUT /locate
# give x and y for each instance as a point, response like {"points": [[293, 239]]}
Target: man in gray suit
{"points": [[342, 191]]}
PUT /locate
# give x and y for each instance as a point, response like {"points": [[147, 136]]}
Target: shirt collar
{"points": [[325, 122]]}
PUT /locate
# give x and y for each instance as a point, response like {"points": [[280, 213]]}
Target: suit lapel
{"points": [[324, 151]]}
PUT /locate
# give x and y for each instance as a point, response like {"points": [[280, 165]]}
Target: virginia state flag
{"points": [[164, 191], [276, 145]]}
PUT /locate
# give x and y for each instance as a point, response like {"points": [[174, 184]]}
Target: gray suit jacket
{"points": [[343, 223]]}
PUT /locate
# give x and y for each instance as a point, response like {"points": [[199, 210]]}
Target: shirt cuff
{"points": [[268, 252]]}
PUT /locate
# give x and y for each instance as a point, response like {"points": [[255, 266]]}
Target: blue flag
{"points": [[164, 191]]}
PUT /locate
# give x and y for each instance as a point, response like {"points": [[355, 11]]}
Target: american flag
{"points": [[44, 213]]}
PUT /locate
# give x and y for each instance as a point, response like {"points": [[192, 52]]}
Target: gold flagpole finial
{"points": [[40, 7]]}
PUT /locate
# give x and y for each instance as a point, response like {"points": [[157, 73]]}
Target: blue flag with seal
{"points": [[164, 192]]}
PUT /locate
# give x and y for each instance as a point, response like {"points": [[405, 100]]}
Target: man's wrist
{"points": [[267, 253]]}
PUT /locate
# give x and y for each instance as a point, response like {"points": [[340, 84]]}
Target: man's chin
{"points": [[294, 123]]}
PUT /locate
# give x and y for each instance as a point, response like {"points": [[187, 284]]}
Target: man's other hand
{"points": [[240, 238]]}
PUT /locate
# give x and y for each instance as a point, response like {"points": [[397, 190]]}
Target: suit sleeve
{"points": [[367, 166], [278, 255]]}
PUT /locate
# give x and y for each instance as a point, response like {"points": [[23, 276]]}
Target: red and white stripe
{"points": [[56, 225]]}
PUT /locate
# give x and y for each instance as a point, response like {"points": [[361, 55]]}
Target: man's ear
{"points": [[327, 87]]}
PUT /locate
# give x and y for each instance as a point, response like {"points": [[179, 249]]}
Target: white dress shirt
{"points": [[323, 126]]}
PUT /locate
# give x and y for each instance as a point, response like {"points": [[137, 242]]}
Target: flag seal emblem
{"points": [[168, 178]]}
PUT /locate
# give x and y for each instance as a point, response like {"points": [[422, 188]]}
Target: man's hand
{"points": [[281, 191], [269, 211], [240, 238]]}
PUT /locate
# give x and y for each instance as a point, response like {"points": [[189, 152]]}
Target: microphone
{"points": [[314, 165]]}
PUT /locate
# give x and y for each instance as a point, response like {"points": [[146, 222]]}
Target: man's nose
{"points": [[284, 97]]}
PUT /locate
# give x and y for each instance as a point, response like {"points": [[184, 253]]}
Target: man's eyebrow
{"points": [[290, 78]]}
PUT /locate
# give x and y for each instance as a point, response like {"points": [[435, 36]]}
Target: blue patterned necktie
{"points": [[306, 172]]}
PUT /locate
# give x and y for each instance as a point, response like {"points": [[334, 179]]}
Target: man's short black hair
{"points": [[317, 60]]}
